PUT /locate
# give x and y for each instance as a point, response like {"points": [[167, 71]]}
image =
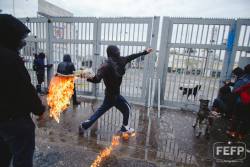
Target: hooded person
{"points": [[66, 68], [112, 72], [241, 92], [39, 66], [18, 97]]}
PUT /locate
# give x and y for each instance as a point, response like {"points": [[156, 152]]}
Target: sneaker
{"points": [[127, 129], [81, 130], [83, 127]]}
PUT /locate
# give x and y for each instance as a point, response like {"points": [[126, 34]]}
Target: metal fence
{"points": [[86, 40], [195, 54]]}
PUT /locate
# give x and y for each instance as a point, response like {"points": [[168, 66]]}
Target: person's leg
{"points": [[19, 134], [75, 102], [5, 154], [106, 105], [39, 83], [23, 145], [123, 106]]}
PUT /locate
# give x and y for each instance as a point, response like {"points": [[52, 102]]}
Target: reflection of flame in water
{"points": [[107, 151], [60, 92]]}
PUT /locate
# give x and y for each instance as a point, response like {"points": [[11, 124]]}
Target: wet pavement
{"points": [[159, 142]]}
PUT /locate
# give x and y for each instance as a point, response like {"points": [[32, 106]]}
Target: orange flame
{"points": [[107, 151], [60, 92]]}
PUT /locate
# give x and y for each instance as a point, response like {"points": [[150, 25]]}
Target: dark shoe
{"points": [[83, 127], [81, 130]]}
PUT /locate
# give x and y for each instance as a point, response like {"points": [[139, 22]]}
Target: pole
{"points": [[13, 8], [159, 98]]}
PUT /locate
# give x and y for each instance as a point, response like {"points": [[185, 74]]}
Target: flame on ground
{"points": [[107, 151], [60, 92]]}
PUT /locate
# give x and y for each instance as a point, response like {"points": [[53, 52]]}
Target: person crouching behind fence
{"points": [[67, 67], [223, 104], [112, 72], [241, 91], [39, 66]]}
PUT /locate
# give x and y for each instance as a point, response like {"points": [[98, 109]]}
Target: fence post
{"points": [[163, 57], [151, 59], [49, 50], [96, 52], [146, 73], [231, 49]]}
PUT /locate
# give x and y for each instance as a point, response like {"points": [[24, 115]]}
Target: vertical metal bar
{"points": [[207, 34], [131, 70], [216, 73], [89, 44], [198, 29], [244, 36], [164, 53], [146, 64], [191, 35], [187, 35], [181, 71], [153, 44], [217, 39], [159, 98], [49, 48], [170, 79], [211, 62], [248, 43], [97, 46]]}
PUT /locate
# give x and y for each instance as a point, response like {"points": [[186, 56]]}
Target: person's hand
{"points": [[149, 50], [226, 82]]}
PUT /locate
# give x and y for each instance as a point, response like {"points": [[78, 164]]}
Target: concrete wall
{"points": [[48, 9]]}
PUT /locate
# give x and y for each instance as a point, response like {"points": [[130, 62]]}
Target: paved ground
{"points": [[165, 141]]}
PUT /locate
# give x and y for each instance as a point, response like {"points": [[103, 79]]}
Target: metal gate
{"points": [[195, 55], [131, 35], [86, 40], [242, 47], [192, 56]]}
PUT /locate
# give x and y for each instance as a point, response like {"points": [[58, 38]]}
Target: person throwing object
{"points": [[112, 72]]}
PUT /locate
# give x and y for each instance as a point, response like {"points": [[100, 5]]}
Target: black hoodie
{"points": [[66, 67], [113, 69], [18, 97]]}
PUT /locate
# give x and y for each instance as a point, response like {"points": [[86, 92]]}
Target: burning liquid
{"points": [[60, 92], [107, 151]]}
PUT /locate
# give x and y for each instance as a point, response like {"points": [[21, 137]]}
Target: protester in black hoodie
{"points": [[67, 67], [18, 97], [112, 72]]}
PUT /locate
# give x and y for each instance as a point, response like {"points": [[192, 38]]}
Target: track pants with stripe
{"points": [[119, 102]]}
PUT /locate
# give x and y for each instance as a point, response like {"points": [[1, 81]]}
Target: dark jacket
{"points": [[66, 67], [113, 69], [18, 97], [39, 64]]}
